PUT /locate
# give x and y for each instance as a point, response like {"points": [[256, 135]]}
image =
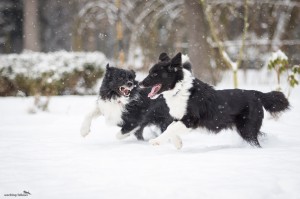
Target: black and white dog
{"points": [[193, 103], [123, 103]]}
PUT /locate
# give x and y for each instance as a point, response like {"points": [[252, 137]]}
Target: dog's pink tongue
{"points": [[153, 92]]}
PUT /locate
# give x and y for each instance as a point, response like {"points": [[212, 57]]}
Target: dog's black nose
{"points": [[129, 84]]}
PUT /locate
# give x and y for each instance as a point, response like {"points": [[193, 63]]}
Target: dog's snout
{"points": [[129, 84]]}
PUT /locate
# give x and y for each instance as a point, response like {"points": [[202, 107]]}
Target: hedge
{"points": [[57, 73]]}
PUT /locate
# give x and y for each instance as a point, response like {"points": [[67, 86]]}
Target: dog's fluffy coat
{"points": [[193, 103], [123, 103]]}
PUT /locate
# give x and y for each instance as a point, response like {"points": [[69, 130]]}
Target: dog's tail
{"points": [[274, 102], [186, 63]]}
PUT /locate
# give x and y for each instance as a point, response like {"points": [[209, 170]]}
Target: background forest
{"points": [[217, 34]]}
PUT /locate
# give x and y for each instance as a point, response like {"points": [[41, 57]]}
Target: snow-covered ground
{"points": [[44, 154]]}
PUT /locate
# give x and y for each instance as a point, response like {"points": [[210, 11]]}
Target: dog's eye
{"points": [[154, 74]]}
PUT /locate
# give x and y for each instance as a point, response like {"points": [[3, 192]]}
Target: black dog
{"points": [[123, 103], [194, 103]]}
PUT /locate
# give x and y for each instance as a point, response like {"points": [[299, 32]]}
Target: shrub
{"points": [[57, 73], [279, 63]]}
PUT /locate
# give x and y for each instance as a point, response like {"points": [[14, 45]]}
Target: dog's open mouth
{"points": [[154, 90], [125, 90]]}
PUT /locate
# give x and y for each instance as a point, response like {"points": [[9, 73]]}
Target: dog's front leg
{"points": [[172, 134], [86, 124]]}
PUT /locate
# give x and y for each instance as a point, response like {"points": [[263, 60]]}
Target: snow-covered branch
{"points": [[256, 42], [259, 2]]}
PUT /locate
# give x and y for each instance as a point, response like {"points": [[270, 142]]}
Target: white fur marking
{"points": [[113, 109], [86, 124], [172, 134], [185, 58], [177, 98]]}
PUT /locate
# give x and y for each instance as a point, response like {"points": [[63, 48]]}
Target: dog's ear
{"points": [[176, 60], [164, 57], [133, 73], [108, 70], [107, 66]]}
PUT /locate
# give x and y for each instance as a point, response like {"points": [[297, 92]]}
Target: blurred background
{"points": [[61, 46]]}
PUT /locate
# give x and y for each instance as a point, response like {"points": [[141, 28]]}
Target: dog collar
{"points": [[176, 92], [179, 89]]}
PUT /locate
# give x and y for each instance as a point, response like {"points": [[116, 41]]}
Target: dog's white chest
{"points": [[177, 98], [112, 110], [177, 104]]}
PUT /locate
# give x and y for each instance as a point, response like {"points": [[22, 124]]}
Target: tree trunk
{"points": [[31, 25], [199, 49]]}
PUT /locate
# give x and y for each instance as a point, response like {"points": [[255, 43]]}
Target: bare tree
{"points": [[199, 50], [31, 25], [148, 32], [233, 65], [10, 30], [150, 26], [56, 19]]}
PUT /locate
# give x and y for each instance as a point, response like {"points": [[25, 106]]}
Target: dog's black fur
{"points": [[139, 110], [216, 109]]}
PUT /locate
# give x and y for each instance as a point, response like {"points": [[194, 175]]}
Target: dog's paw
{"points": [[155, 142], [84, 132], [121, 136], [177, 142]]}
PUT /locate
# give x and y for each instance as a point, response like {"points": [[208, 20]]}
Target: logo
{"points": [[24, 193]]}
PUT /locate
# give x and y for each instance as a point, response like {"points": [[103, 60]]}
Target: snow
{"points": [[278, 55], [34, 64], [44, 154]]}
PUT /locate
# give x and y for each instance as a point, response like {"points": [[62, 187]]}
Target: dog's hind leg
{"points": [[171, 133], [139, 133], [86, 124], [248, 125], [249, 132], [127, 129]]}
